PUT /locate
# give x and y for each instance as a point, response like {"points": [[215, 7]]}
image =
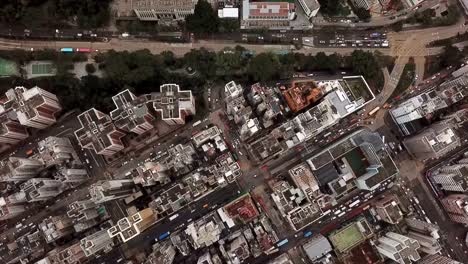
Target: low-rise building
{"points": [[317, 247], [456, 206], [163, 253], [433, 142], [163, 11], [56, 227], [267, 14], [205, 232], [389, 210]]}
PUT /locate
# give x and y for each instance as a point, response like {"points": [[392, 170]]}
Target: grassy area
{"points": [[8, 68], [407, 78], [346, 238]]}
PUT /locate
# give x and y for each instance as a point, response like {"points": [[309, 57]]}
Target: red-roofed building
{"points": [[243, 209]]}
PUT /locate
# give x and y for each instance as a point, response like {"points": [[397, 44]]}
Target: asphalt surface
{"points": [[190, 213]]}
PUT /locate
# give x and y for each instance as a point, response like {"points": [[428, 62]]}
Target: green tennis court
{"points": [[7, 68], [41, 68]]}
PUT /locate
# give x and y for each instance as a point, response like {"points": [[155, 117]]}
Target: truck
{"points": [[165, 235], [282, 242]]}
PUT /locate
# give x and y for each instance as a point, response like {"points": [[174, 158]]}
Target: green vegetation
{"points": [[204, 19], [407, 78], [143, 72], [427, 17], [362, 13], [334, 8], [84, 13], [8, 68], [90, 69]]}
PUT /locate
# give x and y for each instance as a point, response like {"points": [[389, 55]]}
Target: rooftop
{"points": [[350, 236], [97, 131]]}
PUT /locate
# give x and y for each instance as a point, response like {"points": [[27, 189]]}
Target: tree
{"points": [[264, 67], [203, 20], [398, 26], [451, 56], [362, 13], [90, 69]]}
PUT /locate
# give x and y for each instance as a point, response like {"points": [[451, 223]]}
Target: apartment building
{"points": [[97, 132]]}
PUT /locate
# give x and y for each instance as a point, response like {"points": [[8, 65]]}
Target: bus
{"points": [[355, 203], [165, 235], [373, 111], [173, 217], [196, 123], [66, 50], [84, 50], [282, 242]]}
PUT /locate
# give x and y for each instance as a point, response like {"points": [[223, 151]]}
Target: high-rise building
{"points": [[438, 259], [11, 211], [33, 107], [11, 131], [104, 191], [97, 242], [41, 189], [55, 150], [310, 7], [131, 114], [130, 227], [389, 210], [173, 104], [456, 206], [433, 142], [19, 169], [85, 214], [398, 248], [422, 227], [366, 4], [97, 132], [427, 234], [453, 178]]}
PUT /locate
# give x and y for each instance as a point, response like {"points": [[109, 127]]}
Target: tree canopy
{"points": [[203, 20], [86, 13]]}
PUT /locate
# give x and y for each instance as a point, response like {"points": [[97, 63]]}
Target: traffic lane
{"points": [[160, 145], [190, 213], [456, 248]]}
